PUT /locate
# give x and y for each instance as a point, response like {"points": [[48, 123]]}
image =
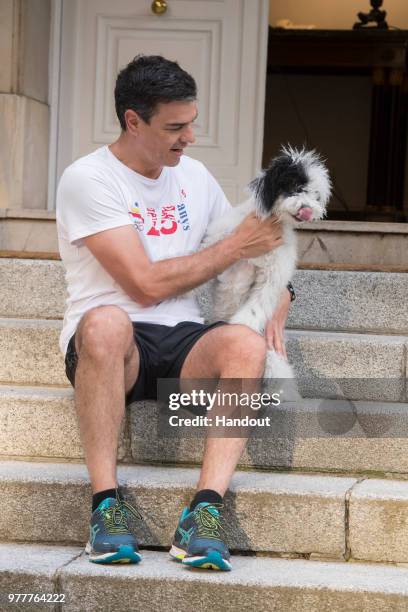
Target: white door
{"points": [[222, 43]]}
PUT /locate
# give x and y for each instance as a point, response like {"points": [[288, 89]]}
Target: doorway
{"points": [[324, 91]]}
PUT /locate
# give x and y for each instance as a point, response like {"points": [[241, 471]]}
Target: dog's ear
{"points": [[283, 177]]}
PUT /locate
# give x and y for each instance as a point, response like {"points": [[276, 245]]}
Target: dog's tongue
{"points": [[305, 214]]}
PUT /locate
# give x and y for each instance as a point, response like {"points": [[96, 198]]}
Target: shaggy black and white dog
{"points": [[296, 188]]}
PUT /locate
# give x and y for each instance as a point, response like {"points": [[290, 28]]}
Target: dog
{"points": [[296, 187]]}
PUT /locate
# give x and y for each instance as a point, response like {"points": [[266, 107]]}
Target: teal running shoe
{"points": [[111, 540], [198, 542]]}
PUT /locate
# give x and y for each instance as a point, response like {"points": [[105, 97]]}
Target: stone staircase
{"points": [[317, 513]]}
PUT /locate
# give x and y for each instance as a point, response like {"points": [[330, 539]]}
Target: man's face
{"points": [[170, 130]]}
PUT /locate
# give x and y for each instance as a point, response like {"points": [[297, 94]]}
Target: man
{"points": [[131, 217]]}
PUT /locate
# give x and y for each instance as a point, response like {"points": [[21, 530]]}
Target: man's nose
{"points": [[188, 135]]}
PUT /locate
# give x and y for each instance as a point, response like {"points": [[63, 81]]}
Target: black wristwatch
{"points": [[291, 290]]}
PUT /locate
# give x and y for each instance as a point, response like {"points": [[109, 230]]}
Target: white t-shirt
{"points": [[171, 213]]}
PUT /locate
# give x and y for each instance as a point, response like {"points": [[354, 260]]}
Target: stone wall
{"points": [[24, 110]]}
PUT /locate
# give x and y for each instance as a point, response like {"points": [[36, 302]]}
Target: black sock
{"points": [[205, 495], [101, 495]]}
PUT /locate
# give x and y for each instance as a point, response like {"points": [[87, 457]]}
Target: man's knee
{"points": [[104, 328], [242, 343]]}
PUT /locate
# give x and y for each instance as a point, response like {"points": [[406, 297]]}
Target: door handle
{"points": [[159, 7]]}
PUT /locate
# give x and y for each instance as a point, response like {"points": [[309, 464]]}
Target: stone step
{"points": [[285, 513], [33, 233], [330, 300], [29, 352], [378, 514], [32, 288], [261, 584], [356, 366], [25, 230], [374, 365], [313, 434], [282, 513], [363, 437], [41, 422], [350, 301], [345, 301], [353, 242]]}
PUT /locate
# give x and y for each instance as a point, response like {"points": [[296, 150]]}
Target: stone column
{"points": [[24, 110]]}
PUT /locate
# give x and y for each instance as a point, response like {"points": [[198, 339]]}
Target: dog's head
{"points": [[295, 186]]}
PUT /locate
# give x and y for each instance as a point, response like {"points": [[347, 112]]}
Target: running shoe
{"points": [[110, 539], [198, 542]]}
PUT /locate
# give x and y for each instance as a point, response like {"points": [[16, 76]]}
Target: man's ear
{"points": [[132, 121]]}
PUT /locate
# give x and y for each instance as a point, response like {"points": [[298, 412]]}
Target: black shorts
{"points": [[162, 352]]}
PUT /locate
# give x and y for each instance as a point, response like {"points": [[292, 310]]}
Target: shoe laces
{"points": [[116, 517], [209, 522]]}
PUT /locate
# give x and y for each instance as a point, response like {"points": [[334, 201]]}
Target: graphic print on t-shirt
{"points": [[138, 219], [164, 220]]}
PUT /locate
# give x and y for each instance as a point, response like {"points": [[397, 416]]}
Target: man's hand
{"points": [[275, 326], [256, 237]]}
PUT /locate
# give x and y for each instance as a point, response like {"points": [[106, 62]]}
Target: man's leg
{"points": [[226, 352], [108, 365], [230, 351]]}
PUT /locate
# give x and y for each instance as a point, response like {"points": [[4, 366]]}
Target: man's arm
{"points": [[121, 253]]}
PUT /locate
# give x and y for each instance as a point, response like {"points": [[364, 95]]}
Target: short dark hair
{"points": [[148, 80]]}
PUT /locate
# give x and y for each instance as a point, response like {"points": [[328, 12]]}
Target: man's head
{"points": [[155, 104], [146, 82]]}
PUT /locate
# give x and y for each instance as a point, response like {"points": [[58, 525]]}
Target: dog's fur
{"points": [[295, 187]]}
